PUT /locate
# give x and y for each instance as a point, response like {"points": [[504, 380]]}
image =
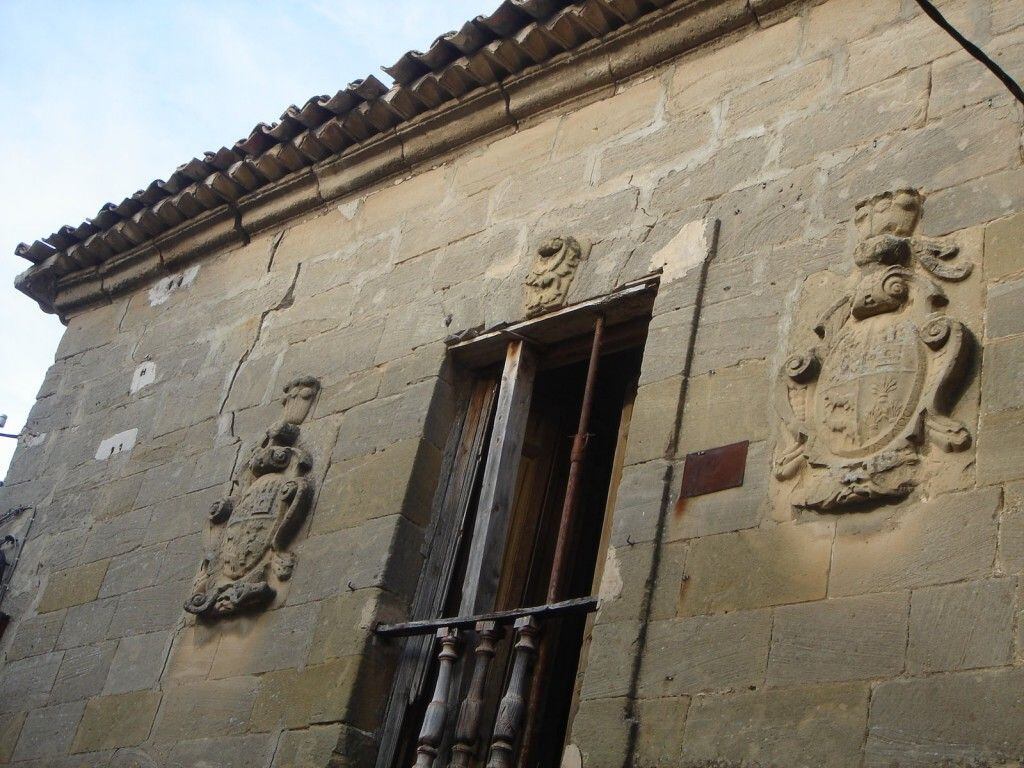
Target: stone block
{"points": [[115, 537], [608, 672], [350, 391], [725, 406], [82, 672], [110, 722], [1004, 247], [226, 752], [206, 709], [192, 653], [448, 222], [525, 149], [1001, 447], [36, 635], [668, 341], [652, 427], [733, 509], [346, 622], [547, 187], [889, 106], [958, 83], [87, 623], [961, 626], [73, 586], [47, 732], [1005, 315], [138, 663], [638, 501], [851, 638], [784, 95], [149, 610], [628, 110], [10, 729], [683, 138], [134, 570], [946, 539], [310, 746], [758, 567], [976, 201], [600, 731], [313, 236], [352, 689], [275, 639], [624, 582], [803, 727], [659, 740], [397, 480], [392, 202], [27, 683], [1002, 385], [1011, 530], [705, 654], [964, 718], [1006, 15]]}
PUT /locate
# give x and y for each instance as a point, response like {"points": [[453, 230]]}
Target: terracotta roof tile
{"points": [[518, 34]]}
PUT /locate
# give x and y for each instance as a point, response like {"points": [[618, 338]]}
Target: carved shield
{"points": [[248, 534], [870, 386]]}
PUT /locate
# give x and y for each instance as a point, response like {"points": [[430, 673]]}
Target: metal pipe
{"points": [[560, 561]]}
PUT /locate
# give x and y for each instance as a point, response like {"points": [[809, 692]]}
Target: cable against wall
{"points": [[1011, 85]]}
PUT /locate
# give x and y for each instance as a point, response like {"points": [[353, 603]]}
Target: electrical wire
{"points": [[1011, 85]]}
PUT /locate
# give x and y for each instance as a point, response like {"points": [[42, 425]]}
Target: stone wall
{"points": [[761, 632]]}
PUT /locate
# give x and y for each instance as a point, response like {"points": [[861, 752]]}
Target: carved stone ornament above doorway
{"points": [[551, 275], [864, 404], [251, 530]]}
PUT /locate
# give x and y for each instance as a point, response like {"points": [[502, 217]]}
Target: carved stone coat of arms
{"points": [[252, 529], [554, 267], [861, 406]]}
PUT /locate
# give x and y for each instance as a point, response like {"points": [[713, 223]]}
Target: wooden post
{"points": [[494, 510], [433, 720], [513, 703], [467, 730]]}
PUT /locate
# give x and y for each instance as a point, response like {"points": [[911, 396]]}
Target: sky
{"points": [[100, 98]]}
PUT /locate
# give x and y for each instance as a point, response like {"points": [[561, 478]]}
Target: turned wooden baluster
{"points": [[467, 729], [433, 720], [513, 703]]}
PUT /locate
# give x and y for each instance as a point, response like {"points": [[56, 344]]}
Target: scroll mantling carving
{"points": [[863, 406], [253, 528], [554, 268]]}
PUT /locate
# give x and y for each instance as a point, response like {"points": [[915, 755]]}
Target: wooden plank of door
{"points": [[483, 566]]}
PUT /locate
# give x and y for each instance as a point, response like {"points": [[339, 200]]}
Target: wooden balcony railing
{"points": [[488, 629]]}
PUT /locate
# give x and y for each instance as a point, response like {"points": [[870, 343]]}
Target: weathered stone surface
{"points": [[87, 623], [638, 502], [1002, 387], [606, 676], [600, 731], [1004, 247], [1005, 314], [10, 729], [47, 732], [124, 720], [82, 672], [629, 110], [253, 644], [1001, 446], [1011, 530], [732, 571], [652, 426], [27, 683], [961, 626], [133, 570], [311, 746], [705, 654], [966, 716], [138, 663], [225, 752], [950, 538], [36, 635], [660, 735], [345, 622], [206, 709], [73, 586], [149, 610], [850, 638], [802, 727], [192, 654], [525, 149], [784, 95], [725, 406]]}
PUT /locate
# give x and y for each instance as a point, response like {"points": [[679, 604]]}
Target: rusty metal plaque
{"points": [[714, 469]]}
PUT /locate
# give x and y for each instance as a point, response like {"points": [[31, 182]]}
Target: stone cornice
{"points": [[586, 71]]}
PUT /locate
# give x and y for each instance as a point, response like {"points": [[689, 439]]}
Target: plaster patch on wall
{"points": [[611, 578], [32, 439], [144, 375], [349, 209], [115, 444], [163, 288], [688, 249]]}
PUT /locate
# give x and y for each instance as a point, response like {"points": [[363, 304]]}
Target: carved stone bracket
{"points": [[253, 528], [861, 407], [554, 268]]}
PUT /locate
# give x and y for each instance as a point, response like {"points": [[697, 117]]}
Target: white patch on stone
{"points": [[572, 757], [349, 209], [144, 375], [165, 287], [32, 439], [115, 444], [690, 248], [611, 578]]}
